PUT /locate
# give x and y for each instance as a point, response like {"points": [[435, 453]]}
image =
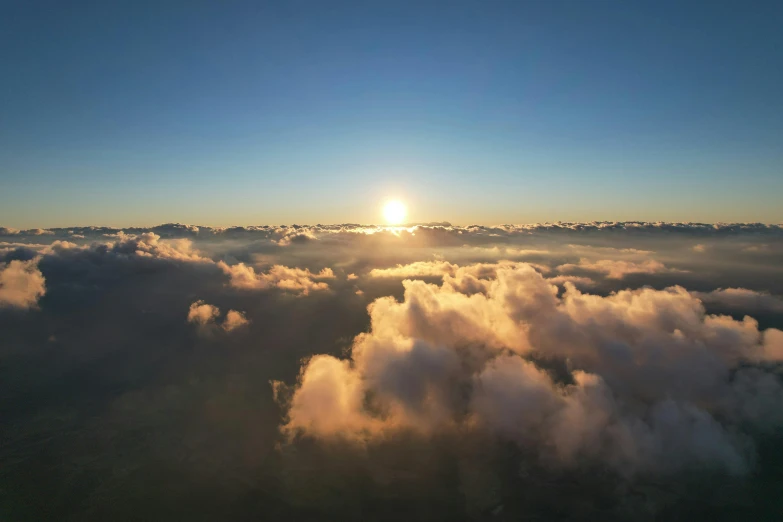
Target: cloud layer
{"points": [[603, 370]]}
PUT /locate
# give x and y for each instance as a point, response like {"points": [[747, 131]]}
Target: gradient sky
{"points": [[120, 113]]}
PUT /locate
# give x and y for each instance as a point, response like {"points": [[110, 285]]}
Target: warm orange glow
{"points": [[394, 212]]}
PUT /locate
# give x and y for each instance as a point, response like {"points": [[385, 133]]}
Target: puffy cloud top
{"points": [[654, 384], [202, 313], [296, 280], [21, 284], [234, 320]]}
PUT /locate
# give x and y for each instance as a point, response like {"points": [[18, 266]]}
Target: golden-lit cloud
{"points": [[615, 268], [202, 313], [234, 320], [205, 315], [296, 280], [646, 367], [21, 284], [436, 340]]}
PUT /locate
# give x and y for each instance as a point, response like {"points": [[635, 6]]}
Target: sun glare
{"points": [[394, 212]]}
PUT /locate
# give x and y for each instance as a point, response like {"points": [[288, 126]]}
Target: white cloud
{"points": [[21, 284], [292, 236], [416, 269], [150, 244], [652, 385], [295, 280]]}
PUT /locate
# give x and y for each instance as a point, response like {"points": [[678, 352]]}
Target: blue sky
{"points": [[120, 113]]}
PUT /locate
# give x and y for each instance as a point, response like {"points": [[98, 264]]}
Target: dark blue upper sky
{"points": [[270, 112]]}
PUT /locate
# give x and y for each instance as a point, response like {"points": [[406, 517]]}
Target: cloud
{"points": [[149, 244], [295, 236], [295, 280], [578, 281], [202, 313], [328, 400], [8, 245], [38, 232], [523, 252], [743, 300], [519, 401], [700, 248], [496, 237], [508, 251], [773, 345], [613, 251], [234, 320], [502, 376], [617, 269], [458, 276], [416, 269], [21, 284], [651, 383]]}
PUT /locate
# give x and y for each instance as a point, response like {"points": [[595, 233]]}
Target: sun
{"points": [[394, 212]]}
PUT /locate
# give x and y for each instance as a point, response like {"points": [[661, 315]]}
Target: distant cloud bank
{"points": [[299, 359]]}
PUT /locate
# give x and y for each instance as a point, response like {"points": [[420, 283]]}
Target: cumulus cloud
{"points": [[295, 280], [39, 232], [149, 244], [577, 281], [295, 235], [742, 300], [773, 346], [329, 400], [416, 269], [617, 269], [234, 320], [21, 284], [204, 315], [455, 275], [651, 385], [11, 245]]}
